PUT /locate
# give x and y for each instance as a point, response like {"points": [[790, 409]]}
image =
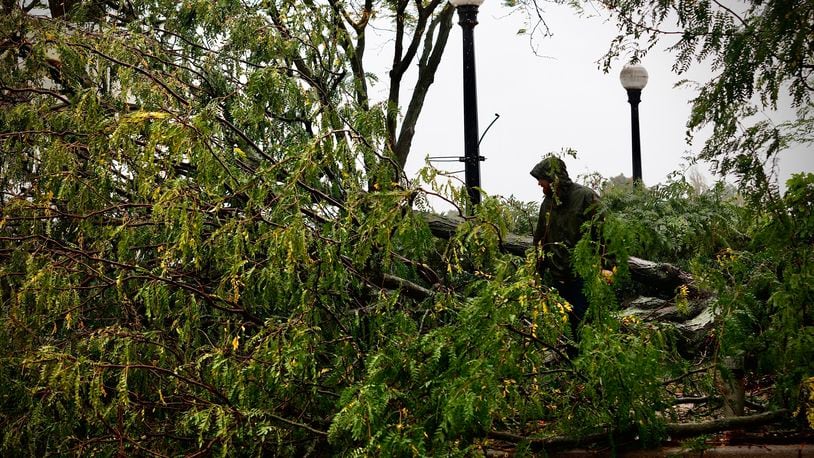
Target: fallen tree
{"points": [[673, 430], [692, 319], [663, 276]]}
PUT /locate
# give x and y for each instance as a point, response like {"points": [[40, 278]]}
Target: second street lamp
{"points": [[467, 15], [634, 79]]}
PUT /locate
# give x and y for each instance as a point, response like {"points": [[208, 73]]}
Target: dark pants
{"points": [[571, 291]]}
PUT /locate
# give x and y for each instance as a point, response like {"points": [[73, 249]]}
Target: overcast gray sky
{"points": [[557, 101]]}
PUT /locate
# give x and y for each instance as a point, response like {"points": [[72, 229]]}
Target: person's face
{"points": [[546, 185]]}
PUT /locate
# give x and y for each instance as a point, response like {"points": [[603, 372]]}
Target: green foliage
{"points": [[190, 259], [206, 247], [630, 367], [671, 222], [764, 293], [521, 217]]}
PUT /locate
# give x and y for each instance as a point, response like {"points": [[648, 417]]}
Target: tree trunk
{"points": [[693, 322], [673, 430]]}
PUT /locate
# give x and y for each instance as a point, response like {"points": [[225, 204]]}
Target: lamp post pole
{"points": [[467, 15], [634, 96], [634, 79]]}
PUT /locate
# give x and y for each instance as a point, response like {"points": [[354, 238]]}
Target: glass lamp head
{"points": [[633, 76], [457, 3]]}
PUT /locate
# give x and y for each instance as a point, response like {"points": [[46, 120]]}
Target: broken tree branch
{"points": [[670, 429]]}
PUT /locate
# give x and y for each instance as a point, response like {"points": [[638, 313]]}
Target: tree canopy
{"points": [[208, 246]]}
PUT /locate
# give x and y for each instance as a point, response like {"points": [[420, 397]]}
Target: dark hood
{"points": [[552, 169]]}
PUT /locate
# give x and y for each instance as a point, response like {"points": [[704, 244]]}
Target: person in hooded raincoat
{"points": [[566, 207]]}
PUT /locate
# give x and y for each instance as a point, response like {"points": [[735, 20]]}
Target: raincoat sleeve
{"points": [[539, 230]]}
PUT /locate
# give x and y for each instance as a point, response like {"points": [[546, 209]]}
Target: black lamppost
{"points": [[634, 79], [467, 15]]}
